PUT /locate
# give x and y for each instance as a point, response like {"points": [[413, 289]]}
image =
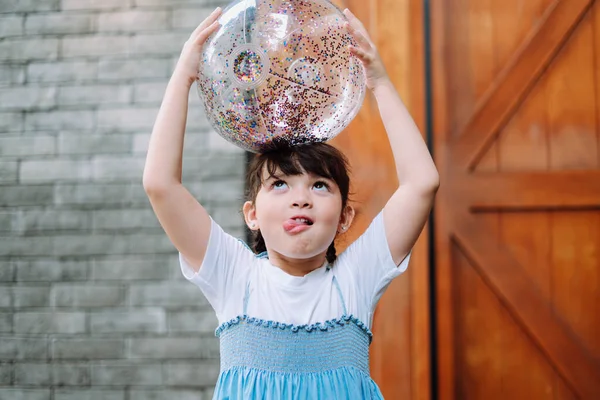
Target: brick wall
{"points": [[92, 304]]}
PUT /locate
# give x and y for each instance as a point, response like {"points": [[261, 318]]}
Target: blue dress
{"points": [[269, 360]]}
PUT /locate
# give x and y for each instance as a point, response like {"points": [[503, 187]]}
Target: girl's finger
{"points": [[207, 22], [361, 54], [207, 32], [360, 37], [354, 21]]}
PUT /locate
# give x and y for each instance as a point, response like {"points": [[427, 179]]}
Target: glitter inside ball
{"points": [[279, 71]]}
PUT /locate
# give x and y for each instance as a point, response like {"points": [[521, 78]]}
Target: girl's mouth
{"points": [[297, 224]]}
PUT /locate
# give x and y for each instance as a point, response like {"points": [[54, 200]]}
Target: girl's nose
{"points": [[301, 199]]}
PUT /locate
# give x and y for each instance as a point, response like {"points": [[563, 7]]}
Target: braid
{"points": [[331, 256], [259, 245]]}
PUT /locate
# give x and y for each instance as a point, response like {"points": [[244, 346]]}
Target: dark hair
{"points": [[320, 159]]}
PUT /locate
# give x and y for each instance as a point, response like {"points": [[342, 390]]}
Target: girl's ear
{"points": [[250, 216], [346, 219]]}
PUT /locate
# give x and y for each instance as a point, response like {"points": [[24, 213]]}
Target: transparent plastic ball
{"points": [[280, 72]]}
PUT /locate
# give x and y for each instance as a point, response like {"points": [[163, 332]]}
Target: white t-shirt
{"points": [[363, 271]]}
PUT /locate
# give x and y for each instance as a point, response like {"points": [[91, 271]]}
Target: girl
{"points": [[295, 318]]}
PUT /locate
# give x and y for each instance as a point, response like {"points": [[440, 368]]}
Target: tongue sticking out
{"points": [[296, 225]]}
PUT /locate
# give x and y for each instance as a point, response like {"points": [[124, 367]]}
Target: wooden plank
{"points": [[520, 296], [529, 190], [513, 85], [444, 310]]}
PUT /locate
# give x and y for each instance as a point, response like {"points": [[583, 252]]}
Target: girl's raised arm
{"points": [[407, 210], [184, 220]]}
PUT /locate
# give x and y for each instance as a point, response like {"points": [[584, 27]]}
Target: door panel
{"points": [[516, 130]]}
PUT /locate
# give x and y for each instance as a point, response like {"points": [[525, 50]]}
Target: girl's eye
{"points": [[279, 185], [320, 185]]}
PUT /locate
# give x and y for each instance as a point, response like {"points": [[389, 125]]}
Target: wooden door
{"points": [[516, 89], [400, 352]]}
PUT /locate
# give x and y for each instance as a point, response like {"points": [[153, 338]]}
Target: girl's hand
{"points": [[366, 52], [189, 60]]}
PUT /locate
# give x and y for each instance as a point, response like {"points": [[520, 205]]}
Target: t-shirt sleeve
{"points": [[224, 270], [371, 265]]}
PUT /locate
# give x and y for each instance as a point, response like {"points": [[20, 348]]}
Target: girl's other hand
{"points": [[189, 60], [366, 52]]}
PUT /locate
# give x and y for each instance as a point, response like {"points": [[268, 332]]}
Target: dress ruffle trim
{"points": [[319, 326]]}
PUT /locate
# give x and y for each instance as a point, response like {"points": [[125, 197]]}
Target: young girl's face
{"points": [[298, 215]]}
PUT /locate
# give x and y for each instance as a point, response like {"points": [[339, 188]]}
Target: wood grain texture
{"points": [[400, 352]]}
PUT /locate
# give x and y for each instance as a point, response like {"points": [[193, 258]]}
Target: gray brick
{"points": [[35, 221], [165, 348], [51, 271], [168, 394], [115, 374], [11, 74], [26, 195], [95, 195], [127, 119], [60, 120], [158, 43], [28, 98], [5, 296], [11, 122], [133, 21], [149, 92], [195, 374], [33, 374], [196, 145], [94, 4], [193, 321], [29, 49], [56, 322], [25, 394], [180, 294], [141, 142], [97, 94], [71, 375], [76, 143], [117, 169], [122, 69], [6, 323], [130, 268], [8, 171], [58, 23], [217, 191], [188, 18], [124, 219], [98, 45], [23, 246], [7, 271], [6, 373], [11, 25], [21, 348], [70, 295], [216, 144], [103, 244], [7, 220], [7, 6], [40, 171], [224, 215], [134, 321], [89, 394], [87, 349], [31, 296], [197, 119], [19, 146], [62, 71]]}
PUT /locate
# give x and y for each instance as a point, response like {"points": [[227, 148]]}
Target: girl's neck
{"points": [[294, 266]]}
